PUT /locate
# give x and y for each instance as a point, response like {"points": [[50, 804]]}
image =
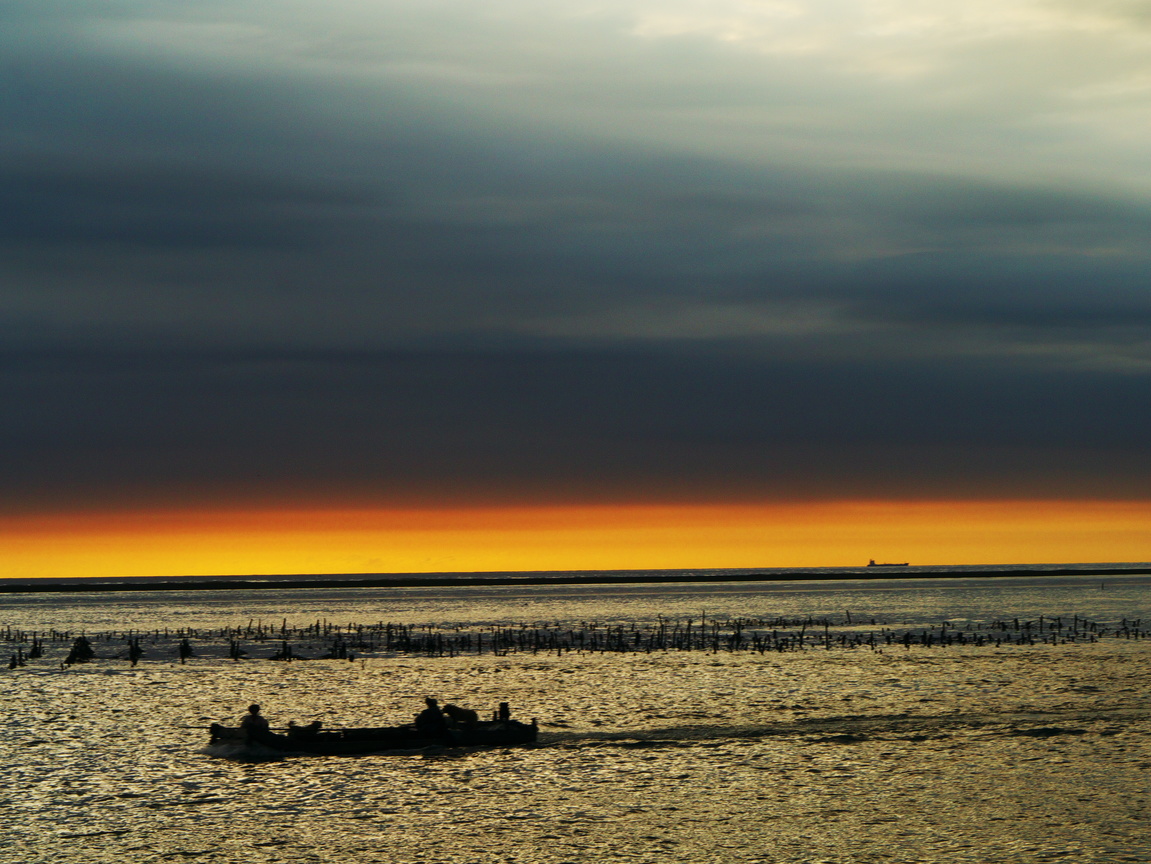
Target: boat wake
{"points": [[852, 729]]}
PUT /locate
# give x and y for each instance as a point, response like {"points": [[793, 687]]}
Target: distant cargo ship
{"points": [[872, 563]]}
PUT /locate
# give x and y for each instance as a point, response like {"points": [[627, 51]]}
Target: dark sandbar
{"points": [[402, 580]]}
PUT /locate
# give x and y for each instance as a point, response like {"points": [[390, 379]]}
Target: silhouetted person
{"points": [[300, 732], [254, 723], [431, 720], [460, 716]]}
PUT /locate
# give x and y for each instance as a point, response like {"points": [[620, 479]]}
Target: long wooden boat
{"points": [[349, 742]]}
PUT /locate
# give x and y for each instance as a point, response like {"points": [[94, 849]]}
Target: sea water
{"points": [[879, 752]]}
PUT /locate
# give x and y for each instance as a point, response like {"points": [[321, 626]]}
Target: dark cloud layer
{"points": [[452, 427], [240, 257]]}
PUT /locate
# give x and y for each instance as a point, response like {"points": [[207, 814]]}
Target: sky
{"points": [[399, 286]]}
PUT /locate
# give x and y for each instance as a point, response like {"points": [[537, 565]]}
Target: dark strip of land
{"points": [[479, 579]]}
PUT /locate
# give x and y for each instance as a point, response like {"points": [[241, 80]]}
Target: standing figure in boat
{"points": [[431, 720], [253, 722]]}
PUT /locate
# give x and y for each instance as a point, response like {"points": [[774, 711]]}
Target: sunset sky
{"points": [[423, 285]]}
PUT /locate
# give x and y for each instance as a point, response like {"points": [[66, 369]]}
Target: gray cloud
{"points": [[59, 202], [681, 242], [556, 425]]}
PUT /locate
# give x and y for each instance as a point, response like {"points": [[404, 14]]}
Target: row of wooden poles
{"points": [[260, 630], [762, 635]]}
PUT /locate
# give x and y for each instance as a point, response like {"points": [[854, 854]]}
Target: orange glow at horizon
{"points": [[266, 542]]}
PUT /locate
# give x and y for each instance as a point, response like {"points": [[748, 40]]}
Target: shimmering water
{"points": [[1022, 753], [918, 601]]}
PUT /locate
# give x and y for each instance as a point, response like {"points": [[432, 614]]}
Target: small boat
{"points": [[872, 563], [313, 739]]}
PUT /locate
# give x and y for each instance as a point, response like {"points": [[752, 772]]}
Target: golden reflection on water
{"points": [[966, 754]]}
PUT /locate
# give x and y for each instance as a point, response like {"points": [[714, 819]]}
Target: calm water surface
{"points": [[1021, 753], [897, 601]]}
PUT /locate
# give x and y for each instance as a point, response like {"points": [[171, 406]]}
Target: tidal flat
{"points": [[873, 753]]}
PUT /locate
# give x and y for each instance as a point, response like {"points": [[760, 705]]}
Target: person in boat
{"points": [[431, 720], [299, 733], [254, 723], [457, 716]]}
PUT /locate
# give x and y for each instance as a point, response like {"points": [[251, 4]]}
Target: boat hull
{"points": [[346, 742]]}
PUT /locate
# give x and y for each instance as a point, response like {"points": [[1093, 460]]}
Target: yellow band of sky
{"points": [[366, 540]]}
